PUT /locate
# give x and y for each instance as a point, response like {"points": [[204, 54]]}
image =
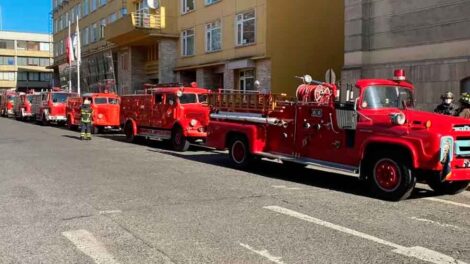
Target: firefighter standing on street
{"points": [[447, 107], [86, 120]]}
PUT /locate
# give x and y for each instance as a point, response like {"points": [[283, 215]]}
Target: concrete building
{"points": [[232, 43], [430, 39], [218, 43], [23, 61]]}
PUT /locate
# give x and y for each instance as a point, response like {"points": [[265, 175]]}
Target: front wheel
{"points": [[239, 153], [178, 140], [447, 187], [44, 121], [389, 177]]}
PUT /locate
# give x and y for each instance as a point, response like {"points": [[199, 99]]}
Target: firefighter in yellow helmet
{"points": [[86, 119]]}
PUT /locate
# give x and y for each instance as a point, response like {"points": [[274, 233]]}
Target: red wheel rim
{"points": [[387, 175], [238, 152]]}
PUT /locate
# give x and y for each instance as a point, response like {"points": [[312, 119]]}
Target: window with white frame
{"points": [[187, 6], [213, 36], [187, 42], [246, 80], [94, 5], [94, 33], [102, 26], [7, 76], [246, 28], [210, 2]]}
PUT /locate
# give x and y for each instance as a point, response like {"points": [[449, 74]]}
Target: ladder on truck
{"points": [[245, 101]]}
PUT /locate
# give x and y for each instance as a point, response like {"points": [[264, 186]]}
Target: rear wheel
{"points": [[44, 121], [129, 131], [178, 141], [239, 153], [390, 177], [70, 125], [446, 187]]}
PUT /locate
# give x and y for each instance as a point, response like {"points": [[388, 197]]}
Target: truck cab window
{"points": [[171, 99], [158, 98], [101, 100], [188, 99]]}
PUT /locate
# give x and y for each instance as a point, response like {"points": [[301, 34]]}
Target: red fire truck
{"points": [[377, 136], [179, 114], [7, 102], [105, 111], [22, 107], [49, 107]]}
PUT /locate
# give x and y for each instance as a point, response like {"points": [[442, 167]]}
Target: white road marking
{"points": [[415, 252], [263, 253], [447, 202], [287, 188], [89, 245], [435, 222], [110, 212]]}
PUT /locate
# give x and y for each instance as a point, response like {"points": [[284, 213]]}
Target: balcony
{"points": [[138, 28]]}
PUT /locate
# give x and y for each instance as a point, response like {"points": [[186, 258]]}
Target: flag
{"points": [[76, 44], [69, 48]]}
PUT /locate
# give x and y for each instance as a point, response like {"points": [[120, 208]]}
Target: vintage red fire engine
{"points": [[179, 114], [7, 102], [49, 107], [105, 107], [378, 136], [22, 107]]}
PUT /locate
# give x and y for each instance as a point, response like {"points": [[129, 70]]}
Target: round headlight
{"points": [[398, 119], [308, 79], [179, 93], [193, 122], [100, 116]]}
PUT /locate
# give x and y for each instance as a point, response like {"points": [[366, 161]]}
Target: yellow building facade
{"points": [[218, 43], [23, 61], [271, 41]]}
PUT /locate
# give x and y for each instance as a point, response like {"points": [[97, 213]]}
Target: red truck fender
{"points": [[133, 124], [393, 143], [254, 134]]}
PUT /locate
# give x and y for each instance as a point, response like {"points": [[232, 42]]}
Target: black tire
{"points": [[95, 130], [129, 132], [178, 141], [70, 125], [239, 153], [446, 187], [389, 176]]}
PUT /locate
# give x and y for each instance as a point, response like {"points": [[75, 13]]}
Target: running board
{"points": [[319, 165]]}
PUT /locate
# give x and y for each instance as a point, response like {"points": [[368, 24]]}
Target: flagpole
{"points": [[70, 62], [79, 56]]}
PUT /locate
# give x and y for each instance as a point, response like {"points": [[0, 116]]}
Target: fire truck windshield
{"points": [[59, 97], [188, 98], [376, 97], [101, 100]]}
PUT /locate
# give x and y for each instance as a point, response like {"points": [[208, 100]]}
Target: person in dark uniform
{"points": [[447, 107], [86, 120], [465, 108]]}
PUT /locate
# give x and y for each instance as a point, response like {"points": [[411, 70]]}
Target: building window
{"points": [[187, 6], [465, 85], [94, 33], [43, 46], [86, 36], [7, 44], [246, 28], [246, 80], [85, 7], [45, 76], [187, 42], [102, 26], [210, 2], [103, 2], [93, 5], [123, 12], [22, 76], [61, 47], [112, 18], [213, 36], [7, 76], [7, 60], [44, 62], [33, 76]]}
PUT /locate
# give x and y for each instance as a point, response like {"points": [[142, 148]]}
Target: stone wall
{"points": [[167, 60], [138, 76]]}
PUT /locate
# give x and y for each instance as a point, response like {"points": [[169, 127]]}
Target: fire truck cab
{"points": [[378, 136], [22, 107], [49, 107], [7, 102], [178, 114], [105, 111]]}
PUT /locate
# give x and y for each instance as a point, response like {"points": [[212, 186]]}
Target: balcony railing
{"points": [[148, 21]]}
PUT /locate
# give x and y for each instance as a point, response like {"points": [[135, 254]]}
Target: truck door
{"points": [[158, 101], [168, 111]]}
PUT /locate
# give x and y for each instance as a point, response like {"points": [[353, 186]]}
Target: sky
{"points": [[25, 15]]}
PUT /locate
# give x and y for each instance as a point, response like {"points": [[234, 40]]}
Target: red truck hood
{"points": [[57, 109], [198, 112], [106, 114]]}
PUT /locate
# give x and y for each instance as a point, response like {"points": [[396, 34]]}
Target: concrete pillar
{"points": [[167, 56]]}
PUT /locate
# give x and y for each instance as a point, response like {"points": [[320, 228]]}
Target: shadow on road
{"points": [[306, 176], [73, 137]]}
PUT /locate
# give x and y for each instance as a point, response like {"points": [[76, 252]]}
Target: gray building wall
{"points": [[430, 39]]}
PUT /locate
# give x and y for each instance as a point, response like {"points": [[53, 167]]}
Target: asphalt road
{"points": [[106, 201]]}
